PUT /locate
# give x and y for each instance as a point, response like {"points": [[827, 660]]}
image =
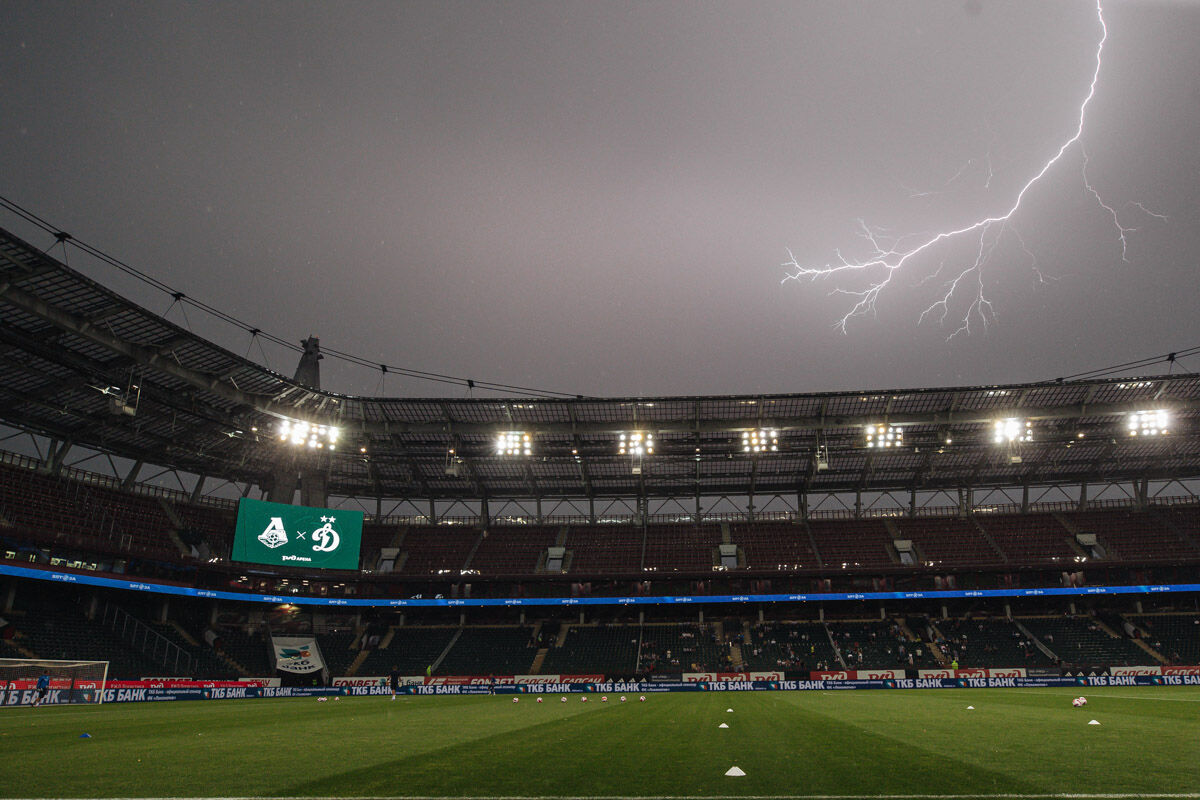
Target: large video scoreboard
{"points": [[283, 535]]}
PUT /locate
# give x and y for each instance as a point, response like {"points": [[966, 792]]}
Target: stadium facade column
{"points": [[310, 478], [10, 597], [1083, 495]]}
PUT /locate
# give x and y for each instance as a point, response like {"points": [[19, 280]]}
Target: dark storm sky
{"points": [[596, 197]]}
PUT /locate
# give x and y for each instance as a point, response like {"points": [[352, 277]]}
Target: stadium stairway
{"points": [[176, 526], [352, 670], [536, 667], [449, 645]]}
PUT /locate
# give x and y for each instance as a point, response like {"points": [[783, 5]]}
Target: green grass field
{"points": [[855, 744]]}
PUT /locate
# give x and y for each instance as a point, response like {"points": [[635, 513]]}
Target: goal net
{"points": [[69, 681]]}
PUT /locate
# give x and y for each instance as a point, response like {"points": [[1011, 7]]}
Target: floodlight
{"points": [[1007, 431], [760, 441], [300, 433], [513, 443], [1152, 422], [636, 444], [885, 436]]}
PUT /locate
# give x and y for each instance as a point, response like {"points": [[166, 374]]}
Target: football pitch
{"points": [[1014, 743]]}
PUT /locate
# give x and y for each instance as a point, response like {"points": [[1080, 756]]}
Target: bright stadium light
{"points": [[513, 443], [636, 444], [1008, 431], [760, 441], [884, 436], [1154, 422], [301, 434]]}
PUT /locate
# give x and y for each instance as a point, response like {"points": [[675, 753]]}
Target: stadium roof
{"points": [[82, 364]]}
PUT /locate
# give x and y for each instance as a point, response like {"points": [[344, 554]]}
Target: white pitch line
{"points": [[998, 796]]}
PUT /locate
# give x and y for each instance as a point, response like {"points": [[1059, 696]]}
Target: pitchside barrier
{"points": [[168, 690]]}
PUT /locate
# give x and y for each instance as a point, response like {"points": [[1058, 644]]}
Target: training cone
{"points": [[722, 725], [735, 772], [85, 736], [729, 711], [970, 708], [1094, 722]]}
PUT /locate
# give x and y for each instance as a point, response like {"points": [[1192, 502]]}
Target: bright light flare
{"points": [[1008, 431], [636, 444], [885, 436], [1155, 422], [760, 441], [514, 443]]}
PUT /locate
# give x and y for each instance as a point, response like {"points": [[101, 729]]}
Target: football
{"points": [[516, 699], [642, 699], [604, 699], [622, 698], [1079, 702], [322, 699], [564, 699], [539, 699]]}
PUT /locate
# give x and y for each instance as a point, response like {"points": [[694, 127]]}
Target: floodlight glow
{"points": [[1152, 422], [300, 433], [885, 436], [760, 441], [513, 443], [1007, 431], [636, 444]]}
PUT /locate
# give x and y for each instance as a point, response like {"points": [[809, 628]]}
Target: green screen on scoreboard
{"points": [[297, 536]]}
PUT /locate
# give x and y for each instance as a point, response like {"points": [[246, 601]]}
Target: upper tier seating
{"points": [[948, 541], [604, 549], [678, 548], [1029, 538], [513, 550], [1131, 535], [774, 545], [856, 543], [436, 550]]}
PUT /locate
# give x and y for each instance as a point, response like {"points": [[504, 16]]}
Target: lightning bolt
{"points": [[889, 254]]}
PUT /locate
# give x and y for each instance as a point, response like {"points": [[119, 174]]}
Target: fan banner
{"points": [[298, 654]]}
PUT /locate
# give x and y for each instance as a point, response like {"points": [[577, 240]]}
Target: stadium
{"points": [[228, 568]]}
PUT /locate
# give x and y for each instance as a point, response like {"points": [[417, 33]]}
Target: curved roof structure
{"points": [[83, 364]]}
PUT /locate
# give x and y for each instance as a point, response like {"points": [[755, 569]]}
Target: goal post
{"points": [[70, 682]]}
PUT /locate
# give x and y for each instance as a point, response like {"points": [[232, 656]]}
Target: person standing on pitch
{"points": [[43, 686], [394, 681]]}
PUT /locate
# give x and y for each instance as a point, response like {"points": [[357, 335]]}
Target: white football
{"points": [[583, 699], [604, 699], [516, 699], [1079, 702], [642, 699], [322, 699], [622, 698], [564, 699], [539, 699]]}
